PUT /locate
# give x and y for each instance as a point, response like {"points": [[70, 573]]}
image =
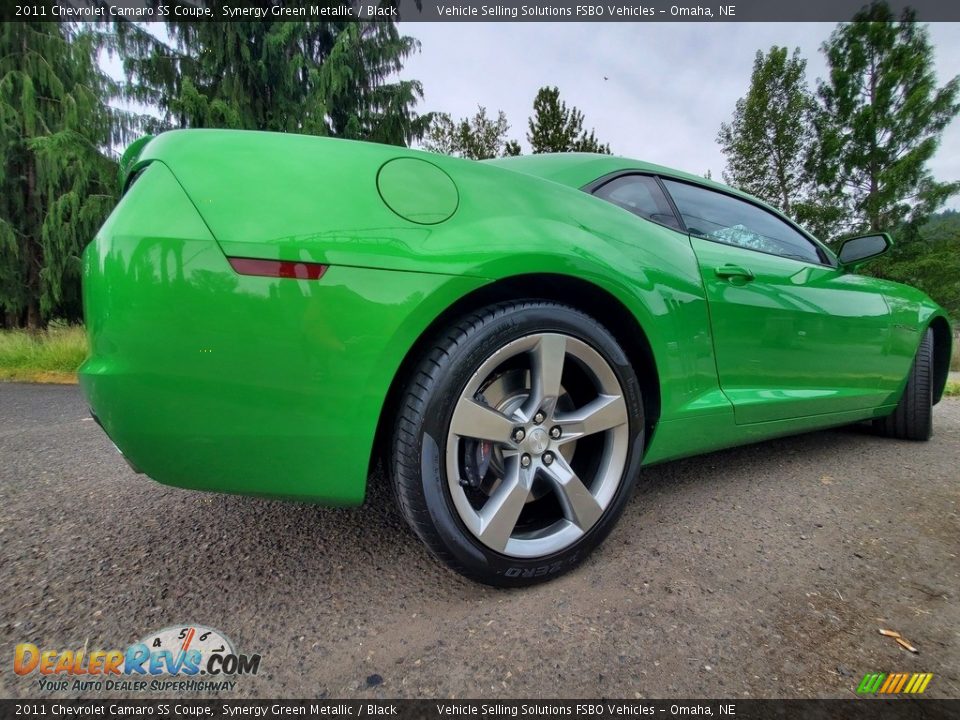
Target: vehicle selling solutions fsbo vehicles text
{"points": [[580, 11]]}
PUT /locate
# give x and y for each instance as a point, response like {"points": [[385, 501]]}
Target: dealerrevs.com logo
{"points": [[187, 658]]}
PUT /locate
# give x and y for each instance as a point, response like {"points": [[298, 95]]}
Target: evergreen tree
{"points": [[881, 119], [443, 135], [767, 140], [512, 148], [477, 138], [768, 143], [588, 143], [556, 128], [56, 185], [316, 78]]}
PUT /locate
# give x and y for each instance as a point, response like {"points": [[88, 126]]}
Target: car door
{"points": [[793, 334]]}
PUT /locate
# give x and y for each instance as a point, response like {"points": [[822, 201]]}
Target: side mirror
{"points": [[856, 250]]}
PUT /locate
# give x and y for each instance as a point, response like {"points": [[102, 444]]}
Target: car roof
{"points": [[579, 169]]}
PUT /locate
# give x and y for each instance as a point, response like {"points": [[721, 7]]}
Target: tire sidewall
{"points": [[519, 321]]}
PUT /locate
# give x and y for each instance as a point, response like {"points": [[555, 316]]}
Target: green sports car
{"points": [[274, 314]]}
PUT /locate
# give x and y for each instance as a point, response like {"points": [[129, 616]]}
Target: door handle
{"points": [[733, 271]]}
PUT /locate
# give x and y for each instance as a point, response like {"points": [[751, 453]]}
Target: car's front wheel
{"points": [[913, 417], [518, 441]]}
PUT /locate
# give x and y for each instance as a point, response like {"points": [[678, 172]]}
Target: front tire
{"points": [[913, 417], [518, 442]]}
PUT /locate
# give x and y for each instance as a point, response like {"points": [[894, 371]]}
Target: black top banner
{"points": [[464, 10]]}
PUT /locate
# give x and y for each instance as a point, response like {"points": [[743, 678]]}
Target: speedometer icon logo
{"points": [[183, 638]]}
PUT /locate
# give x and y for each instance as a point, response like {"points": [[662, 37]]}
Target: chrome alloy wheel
{"points": [[537, 445]]}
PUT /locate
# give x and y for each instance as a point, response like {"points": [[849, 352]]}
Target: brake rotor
{"points": [[505, 392]]}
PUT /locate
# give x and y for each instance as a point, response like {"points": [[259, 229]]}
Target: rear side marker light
{"points": [[278, 268]]}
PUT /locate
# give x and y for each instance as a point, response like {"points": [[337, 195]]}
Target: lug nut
{"points": [[464, 483], [519, 435], [555, 432], [539, 418], [547, 458], [525, 460]]}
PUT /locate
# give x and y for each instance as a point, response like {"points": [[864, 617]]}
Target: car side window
{"points": [[641, 195], [726, 219]]}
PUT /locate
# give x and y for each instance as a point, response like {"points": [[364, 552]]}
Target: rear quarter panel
{"points": [[292, 197]]}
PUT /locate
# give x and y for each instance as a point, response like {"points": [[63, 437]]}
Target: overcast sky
{"points": [[669, 85]]}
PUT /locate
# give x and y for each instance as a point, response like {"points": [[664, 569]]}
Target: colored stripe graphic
{"points": [[871, 682], [894, 683], [891, 681]]}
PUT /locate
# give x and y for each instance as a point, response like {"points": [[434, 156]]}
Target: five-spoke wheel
{"points": [[518, 442], [511, 453]]}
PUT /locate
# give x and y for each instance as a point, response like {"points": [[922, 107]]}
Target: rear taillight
{"points": [[278, 268]]}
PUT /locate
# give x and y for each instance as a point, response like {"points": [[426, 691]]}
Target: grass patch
{"points": [[49, 356], [55, 354]]}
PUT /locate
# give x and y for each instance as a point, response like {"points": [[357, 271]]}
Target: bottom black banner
{"points": [[430, 709]]}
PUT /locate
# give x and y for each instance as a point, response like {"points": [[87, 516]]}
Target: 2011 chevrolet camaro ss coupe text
{"points": [[271, 314]]}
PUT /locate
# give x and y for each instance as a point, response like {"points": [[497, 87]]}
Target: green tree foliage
{"points": [[928, 257], [880, 120], [317, 78], [512, 148], [476, 138], [769, 138], [56, 186], [556, 128]]}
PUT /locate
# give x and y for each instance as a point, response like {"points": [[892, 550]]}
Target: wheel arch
{"points": [[581, 294], [942, 342]]}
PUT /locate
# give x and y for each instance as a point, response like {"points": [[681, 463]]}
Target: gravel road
{"points": [[763, 571]]}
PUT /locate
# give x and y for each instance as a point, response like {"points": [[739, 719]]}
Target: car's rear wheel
{"points": [[913, 417], [518, 442]]}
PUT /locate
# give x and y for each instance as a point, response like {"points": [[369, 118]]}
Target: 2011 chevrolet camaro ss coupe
{"points": [[273, 314]]}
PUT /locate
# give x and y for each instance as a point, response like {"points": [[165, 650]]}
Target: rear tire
{"points": [[518, 442], [913, 417]]}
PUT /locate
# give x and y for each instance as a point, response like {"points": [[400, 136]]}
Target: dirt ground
{"points": [[763, 571]]}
